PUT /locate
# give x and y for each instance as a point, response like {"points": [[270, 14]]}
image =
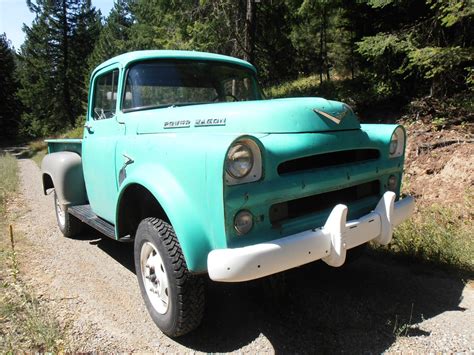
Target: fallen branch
{"points": [[430, 146]]}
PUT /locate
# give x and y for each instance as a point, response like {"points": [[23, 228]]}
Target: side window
{"points": [[105, 95]]}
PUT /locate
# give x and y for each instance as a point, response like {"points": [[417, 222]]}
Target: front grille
{"points": [[327, 159], [284, 211]]}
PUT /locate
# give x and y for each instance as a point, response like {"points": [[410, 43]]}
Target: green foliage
{"points": [[470, 77], [304, 86], [9, 104], [434, 61], [364, 93], [26, 325], [8, 179], [429, 51], [379, 51], [452, 12], [320, 37], [440, 235], [439, 62], [114, 37], [53, 64], [37, 150], [380, 3], [75, 132], [381, 44]]}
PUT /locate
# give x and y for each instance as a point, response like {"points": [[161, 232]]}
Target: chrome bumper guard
{"points": [[328, 243]]}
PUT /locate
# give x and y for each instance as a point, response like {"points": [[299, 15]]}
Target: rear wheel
{"points": [[173, 296], [69, 225]]}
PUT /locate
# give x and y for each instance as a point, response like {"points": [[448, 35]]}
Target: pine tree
{"points": [[420, 47], [10, 106], [54, 61], [314, 36], [255, 31], [114, 38]]}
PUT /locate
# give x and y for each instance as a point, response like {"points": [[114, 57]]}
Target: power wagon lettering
{"points": [[177, 124], [210, 122]]}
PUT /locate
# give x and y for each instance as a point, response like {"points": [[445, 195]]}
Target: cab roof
{"points": [[127, 58]]}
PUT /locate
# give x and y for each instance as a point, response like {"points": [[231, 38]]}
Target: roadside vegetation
{"points": [[38, 148], [439, 235], [25, 324]]}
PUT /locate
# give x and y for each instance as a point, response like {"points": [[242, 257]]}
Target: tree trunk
{"points": [[352, 54], [325, 43], [250, 32], [65, 75], [321, 48]]}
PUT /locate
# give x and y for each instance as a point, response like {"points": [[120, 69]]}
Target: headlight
{"points": [[397, 143], [239, 160], [392, 183], [393, 144], [243, 222], [243, 162]]}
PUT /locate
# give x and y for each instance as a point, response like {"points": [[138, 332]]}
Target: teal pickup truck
{"points": [[183, 156]]}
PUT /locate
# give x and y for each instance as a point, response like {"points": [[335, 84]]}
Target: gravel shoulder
{"points": [[372, 305]]}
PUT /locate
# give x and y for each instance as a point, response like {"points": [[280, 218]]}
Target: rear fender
{"points": [[62, 171]]}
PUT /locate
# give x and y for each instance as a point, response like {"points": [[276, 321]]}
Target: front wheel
{"points": [[69, 225], [173, 296]]}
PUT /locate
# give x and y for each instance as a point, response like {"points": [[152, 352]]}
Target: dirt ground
{"points": [[439, 166], [370, 306]]}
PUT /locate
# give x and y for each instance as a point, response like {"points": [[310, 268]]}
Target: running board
{"points": [[86, 215]]}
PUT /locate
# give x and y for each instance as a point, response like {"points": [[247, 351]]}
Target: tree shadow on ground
{"points": [[122, 252], [358, 308]]}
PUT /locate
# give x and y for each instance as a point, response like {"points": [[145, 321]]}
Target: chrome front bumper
{"points": [[328, 243]]}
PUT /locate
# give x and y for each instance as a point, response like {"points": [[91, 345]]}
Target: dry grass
{"points": [[300, 87], [25, 324], [439, 234], [39, 148], [8, 179], [76, 132]]}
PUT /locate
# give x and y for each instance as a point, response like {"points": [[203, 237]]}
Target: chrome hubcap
{"points": [[154, 277], [60, 212]]}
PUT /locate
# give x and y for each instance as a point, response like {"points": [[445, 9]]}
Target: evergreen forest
{"points": [[379, 56]]}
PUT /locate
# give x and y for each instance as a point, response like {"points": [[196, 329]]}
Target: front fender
{"points": [[184, 172], [180, 210]]}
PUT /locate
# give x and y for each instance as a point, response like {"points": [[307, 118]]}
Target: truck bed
{"points": [[64, 145]]}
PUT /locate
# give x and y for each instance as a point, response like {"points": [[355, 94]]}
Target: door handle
{"points": [[89, 128]]}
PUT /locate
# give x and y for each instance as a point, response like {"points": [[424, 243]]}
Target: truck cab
{"points": [[183, 156]]}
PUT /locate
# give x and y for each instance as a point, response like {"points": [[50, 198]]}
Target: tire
{"points": [[69, 225], [173, 296]]}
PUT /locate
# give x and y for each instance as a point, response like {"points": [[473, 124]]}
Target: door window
{"points": [[105, 95]]}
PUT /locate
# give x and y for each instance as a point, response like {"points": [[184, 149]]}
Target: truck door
{"points": [[101, 134]]}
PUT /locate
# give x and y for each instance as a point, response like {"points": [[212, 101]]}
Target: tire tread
{"points": [[190, 287]]}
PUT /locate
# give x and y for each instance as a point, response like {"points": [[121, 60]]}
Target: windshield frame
{"points": [[256, 85]]}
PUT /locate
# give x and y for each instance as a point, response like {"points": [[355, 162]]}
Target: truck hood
{"points": [[293, 115]]}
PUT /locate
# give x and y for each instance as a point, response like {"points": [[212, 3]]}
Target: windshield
{"points": [[164, 83]]}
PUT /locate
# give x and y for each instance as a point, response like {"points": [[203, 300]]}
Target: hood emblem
{"points": [[336, 119]]}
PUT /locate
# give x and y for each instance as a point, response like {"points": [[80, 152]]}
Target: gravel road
{"points": [[370, 306]]}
